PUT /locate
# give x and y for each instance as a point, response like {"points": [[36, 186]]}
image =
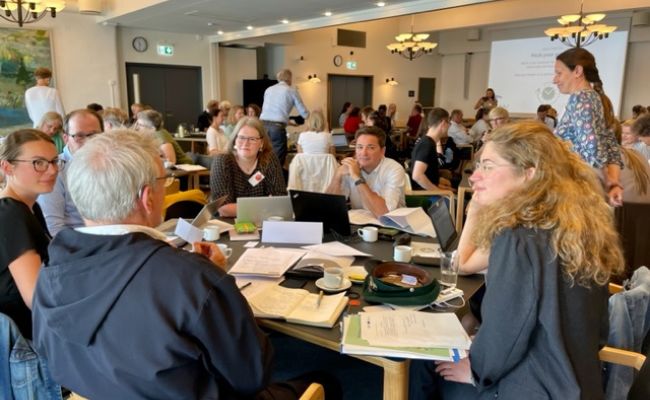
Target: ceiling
{"points": [[229, 19]]}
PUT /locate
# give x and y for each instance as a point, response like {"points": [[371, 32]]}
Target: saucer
{"points": [[320, 283]]}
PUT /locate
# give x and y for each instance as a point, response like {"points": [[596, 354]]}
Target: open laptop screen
{"points": [[442, 224], [330, 209], [339, 140]]}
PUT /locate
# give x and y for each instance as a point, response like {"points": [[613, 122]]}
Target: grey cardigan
{"points": [[540, 335]]}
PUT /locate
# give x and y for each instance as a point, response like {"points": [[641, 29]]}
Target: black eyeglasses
{"points": [[81, 137], [41, 164]]}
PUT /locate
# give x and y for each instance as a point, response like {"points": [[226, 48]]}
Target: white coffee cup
{"points": [[275, 218], [402, 253], [333, 277], [368, 233], [211, 233], [225, 250], [449, 268]]}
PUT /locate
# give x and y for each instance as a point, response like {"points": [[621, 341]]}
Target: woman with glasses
{"points": [[29, 160], [552, 248], [250, 168]]}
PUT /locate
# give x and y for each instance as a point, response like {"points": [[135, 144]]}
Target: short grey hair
{"points": [[107, 174], [284, 75], [152, 117]]}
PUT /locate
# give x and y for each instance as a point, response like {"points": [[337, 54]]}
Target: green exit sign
{"points": [[351, 65], [165, 50]]}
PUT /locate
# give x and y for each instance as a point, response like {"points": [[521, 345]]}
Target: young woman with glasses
{"points": [[29, 161], [250, 167]]}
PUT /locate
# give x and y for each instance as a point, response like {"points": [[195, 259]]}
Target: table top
{"points": [[330, 338]]}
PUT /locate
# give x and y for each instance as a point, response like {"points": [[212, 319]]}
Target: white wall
{"points": [[318, 50], [235, 66], [85, 60], [189, 50]]}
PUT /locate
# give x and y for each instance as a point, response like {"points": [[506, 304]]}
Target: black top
{"points": [[540, 334], [130, 317], [227, 179], [21, 230], [425, 151]]}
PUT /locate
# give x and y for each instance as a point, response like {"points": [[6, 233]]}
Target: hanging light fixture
{"points": [[411, 45], [580, 30], [25, 12]]}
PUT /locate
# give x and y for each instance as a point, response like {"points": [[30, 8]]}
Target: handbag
{"points": [[401, 284]]}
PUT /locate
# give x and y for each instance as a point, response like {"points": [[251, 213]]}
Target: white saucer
{"points": [[320, 283]]}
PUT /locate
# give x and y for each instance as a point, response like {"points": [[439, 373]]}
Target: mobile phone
{"points": [[293, 283]]}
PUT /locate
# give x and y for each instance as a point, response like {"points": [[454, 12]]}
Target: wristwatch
{"points": [[359, 181]]}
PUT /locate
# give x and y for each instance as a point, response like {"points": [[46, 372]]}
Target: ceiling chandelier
{"points": [[25, 12], [411, 45], [580, 30]]}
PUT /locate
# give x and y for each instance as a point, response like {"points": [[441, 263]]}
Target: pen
{"points": [[247, 284], [320, 298]]}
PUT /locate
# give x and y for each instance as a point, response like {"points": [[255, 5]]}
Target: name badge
{"points": [[256, 179]]}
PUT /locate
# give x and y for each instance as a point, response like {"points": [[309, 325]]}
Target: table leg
{"points": [[396, 381]]}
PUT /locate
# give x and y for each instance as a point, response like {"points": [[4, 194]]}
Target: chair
{"points": [[632, 221], [311, 172], [185, 204], [315, 391], [460, 207]]}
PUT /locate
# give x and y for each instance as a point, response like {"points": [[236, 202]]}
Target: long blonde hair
{"points": [[637, 164], [563, 195]]}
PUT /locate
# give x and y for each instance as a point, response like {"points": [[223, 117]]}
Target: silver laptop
{"points": [[258, 209], [340, 142]]}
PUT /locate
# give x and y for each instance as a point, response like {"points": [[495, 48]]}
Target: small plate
{"points": [[320, 283]]}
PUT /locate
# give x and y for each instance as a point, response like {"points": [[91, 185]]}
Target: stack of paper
{"points": [[411, 220], [407, 334]]}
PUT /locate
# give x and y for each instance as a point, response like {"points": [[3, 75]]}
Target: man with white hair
{"points": [[279, 100], [119, 313]]}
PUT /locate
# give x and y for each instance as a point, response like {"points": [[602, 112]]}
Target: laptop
{"points": [[330, 209], [340, 142], [202, 218], [445, 230], [258, 209]]}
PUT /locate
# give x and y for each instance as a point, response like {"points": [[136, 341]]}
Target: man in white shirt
{"points": [[42, 98], [371, 181], [279, 100], [457, 130]]}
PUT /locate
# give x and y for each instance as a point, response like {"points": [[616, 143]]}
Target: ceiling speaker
{"points": [[90, 7], [641, 19]]}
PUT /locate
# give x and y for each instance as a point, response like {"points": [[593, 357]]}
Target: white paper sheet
{"points": [[267, 261], [190, 167], [188, 232], [336, 249]]}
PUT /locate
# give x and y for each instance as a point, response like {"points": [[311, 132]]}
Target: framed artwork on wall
{"points": [[21, 52]]}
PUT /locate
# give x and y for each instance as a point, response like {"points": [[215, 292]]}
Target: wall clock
{"points": [[338, 60], [140, 44]]}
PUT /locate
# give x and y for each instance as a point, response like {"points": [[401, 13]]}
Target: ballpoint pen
{"points": [[320, 298]]}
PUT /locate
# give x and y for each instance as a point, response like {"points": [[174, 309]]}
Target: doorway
{"points": [[174, 91], [342, 88]]}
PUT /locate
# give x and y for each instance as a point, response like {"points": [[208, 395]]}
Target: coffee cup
{"points": [[449, 268], [368, 233], [225, 250], [211, 233], [275, 218], [402, 253], [333, 277]]}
